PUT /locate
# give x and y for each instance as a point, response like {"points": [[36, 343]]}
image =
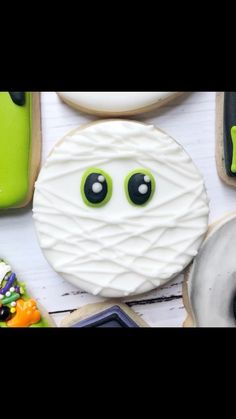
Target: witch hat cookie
{"points": [[119, 208], [17, 308], [20, 146], [117, 103]]}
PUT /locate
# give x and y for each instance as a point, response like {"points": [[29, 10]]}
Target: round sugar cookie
{"points": [[210, 289], [116, 103], [119, 208]]}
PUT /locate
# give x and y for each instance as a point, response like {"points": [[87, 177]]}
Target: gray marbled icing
{"points": [[212, 282]]}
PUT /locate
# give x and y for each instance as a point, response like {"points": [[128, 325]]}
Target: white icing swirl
{"points": [[120, 249]]}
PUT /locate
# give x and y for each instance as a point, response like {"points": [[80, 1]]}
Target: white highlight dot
{"points": [[13, 304], [97, 187], [147, 179], [8, 294], [143, 189], [101, 178]]}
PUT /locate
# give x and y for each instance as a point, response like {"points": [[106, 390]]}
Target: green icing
{"points": [[233, 136], [144, 172], [10, 299], [15, 141], [42, 323], [109, 187]]}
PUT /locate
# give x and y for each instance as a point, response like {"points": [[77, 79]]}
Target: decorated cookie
{"points": [[117, 103], [210, 289], [105, 315], [19, 147], [226, 136], [119, 208], [17, 308]]}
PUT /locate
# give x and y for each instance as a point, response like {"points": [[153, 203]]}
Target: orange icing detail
{"points": [[26, 314]]}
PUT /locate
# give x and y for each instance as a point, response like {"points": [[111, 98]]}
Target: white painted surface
{"points": [[191, 121]]}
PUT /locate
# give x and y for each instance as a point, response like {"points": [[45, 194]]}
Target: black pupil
{"points": [[95, 188], [4, 313], [18, 98], [139, 188]]}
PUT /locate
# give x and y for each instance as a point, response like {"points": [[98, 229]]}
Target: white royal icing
{"points": [[120, 249], [97, 187], [4, 269], [143, 189], [212, 282], [109, 102]]}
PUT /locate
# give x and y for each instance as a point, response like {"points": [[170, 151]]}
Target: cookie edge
{"points": [[35, 149], [144, 109]]}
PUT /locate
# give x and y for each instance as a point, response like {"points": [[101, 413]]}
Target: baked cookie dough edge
{"points": [[35, 148]]}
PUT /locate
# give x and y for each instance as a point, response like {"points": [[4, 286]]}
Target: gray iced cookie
{"points": [[210, 289]]}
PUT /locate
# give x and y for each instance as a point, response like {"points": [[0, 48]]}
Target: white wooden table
{"points": [[191, 121]]}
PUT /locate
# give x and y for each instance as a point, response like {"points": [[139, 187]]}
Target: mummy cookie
{"points": [[226, 136], [19, 147], [104, 315], [17, 308], [119, 208], [210, 290], [116, 103]]}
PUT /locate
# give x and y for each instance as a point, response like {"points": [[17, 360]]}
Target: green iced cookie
{"points": [[15, 144]]}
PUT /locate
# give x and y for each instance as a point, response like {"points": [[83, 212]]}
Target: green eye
{"points": [[96, 187], [140, 186]]}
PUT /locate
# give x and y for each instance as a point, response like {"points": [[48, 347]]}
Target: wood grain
{"points": [[190, 119]]}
